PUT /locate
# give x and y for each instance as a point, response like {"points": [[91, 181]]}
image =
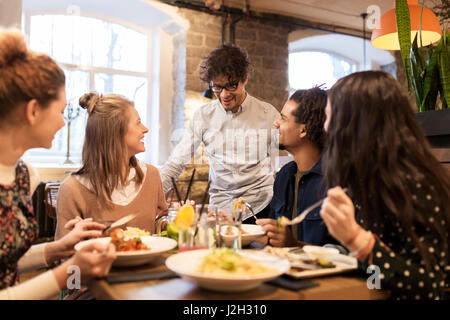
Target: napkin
{"points": [[140, 276], [292, 284]]}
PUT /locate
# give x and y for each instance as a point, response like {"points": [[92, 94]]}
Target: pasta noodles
{"points": [[135, 232], [226, 261]]}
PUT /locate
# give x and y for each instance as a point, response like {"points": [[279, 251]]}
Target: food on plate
{"points": [[300, 259], [135, 232], [282, 221], [229, 231], [225, 261], [124, 244], [239, 204], [323, 254]]}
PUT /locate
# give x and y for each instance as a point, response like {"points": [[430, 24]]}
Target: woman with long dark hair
{"points": [[377, 150]]}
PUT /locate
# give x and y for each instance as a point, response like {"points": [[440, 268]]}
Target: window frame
{"points": [[351, 61], [57, 160]]}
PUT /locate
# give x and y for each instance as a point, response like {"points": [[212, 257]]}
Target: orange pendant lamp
{"points": [[385, 36]]}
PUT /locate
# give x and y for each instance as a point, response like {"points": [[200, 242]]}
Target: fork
{"points": [[305, 212], [251, 210]]}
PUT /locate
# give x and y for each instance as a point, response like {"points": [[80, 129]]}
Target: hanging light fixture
{"points": [[385, 35]]}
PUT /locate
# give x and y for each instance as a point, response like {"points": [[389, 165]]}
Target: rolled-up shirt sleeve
{"points": [[183, 152]]}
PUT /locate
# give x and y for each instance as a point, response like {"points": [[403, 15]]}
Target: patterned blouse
{"points": [[18, 225], [402, 269]]}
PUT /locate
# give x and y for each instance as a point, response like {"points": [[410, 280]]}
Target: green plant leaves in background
{"points": [[404, 34], [444, 69], [427, 68]]}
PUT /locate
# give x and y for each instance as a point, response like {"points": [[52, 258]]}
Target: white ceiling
{"points": [[345, 13], [139, 12]]}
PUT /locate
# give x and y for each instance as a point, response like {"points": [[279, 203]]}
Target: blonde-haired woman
{"points": [[111, 183], [32, 99]]}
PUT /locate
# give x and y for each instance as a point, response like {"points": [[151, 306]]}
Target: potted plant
{"points": [[428, 76]]}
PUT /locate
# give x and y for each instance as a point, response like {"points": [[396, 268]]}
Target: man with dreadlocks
{"points": [[299, 183]]}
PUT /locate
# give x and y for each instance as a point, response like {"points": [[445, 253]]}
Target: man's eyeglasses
{"points": [[232, 86]]}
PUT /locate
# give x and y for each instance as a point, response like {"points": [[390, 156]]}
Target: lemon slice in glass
{"points": [[185, 217]]}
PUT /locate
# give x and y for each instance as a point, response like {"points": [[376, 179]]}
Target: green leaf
{"points": [[444, 104], [431, 81], [444, 67], [418, 55], [416, 82], [417, 66], [404, 34], [228, 265]]}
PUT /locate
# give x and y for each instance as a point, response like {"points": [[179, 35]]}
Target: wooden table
{"points": [[346, 287]]}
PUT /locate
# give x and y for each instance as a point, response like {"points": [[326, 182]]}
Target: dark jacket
{"points": [[310, 189]]}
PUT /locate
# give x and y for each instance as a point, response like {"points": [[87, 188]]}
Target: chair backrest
{"points": [[50, 196]]}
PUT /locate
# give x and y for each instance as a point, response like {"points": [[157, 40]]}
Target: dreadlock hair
{"points": [[311, 113]]}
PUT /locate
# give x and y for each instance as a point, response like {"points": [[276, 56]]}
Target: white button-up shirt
{"points": [[242, 149]]}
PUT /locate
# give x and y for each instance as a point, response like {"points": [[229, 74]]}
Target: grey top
{"points": [[242, 150]]}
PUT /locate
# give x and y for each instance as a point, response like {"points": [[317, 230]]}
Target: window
{"points": [[308, 69], [95, 55]]}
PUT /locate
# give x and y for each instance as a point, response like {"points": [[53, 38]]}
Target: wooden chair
{"points": [[50, 196]]}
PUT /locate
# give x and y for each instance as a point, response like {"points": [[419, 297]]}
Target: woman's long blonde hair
{"points": [[105, 154]]}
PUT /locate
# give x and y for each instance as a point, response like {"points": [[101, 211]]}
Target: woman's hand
{"points": [[338, 213], [93, 261], [278, 237], [71, 223], [82, 230]]}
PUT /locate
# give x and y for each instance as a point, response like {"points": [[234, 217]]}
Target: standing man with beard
{"points": [[299, 184], [236, 130]]}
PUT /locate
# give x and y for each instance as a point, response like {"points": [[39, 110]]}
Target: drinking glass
{"points": [[163, 223], [194, 237], [229, 229]]}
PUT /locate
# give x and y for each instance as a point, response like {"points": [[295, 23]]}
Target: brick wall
{"points": [[267, 47], [266, 44]]}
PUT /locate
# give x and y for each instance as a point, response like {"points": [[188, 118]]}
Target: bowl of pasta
{"points": [[227, 270], [133, 250]]}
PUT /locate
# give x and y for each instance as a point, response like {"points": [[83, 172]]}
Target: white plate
{"points": [[157, 245], [343, 264], [323, 254], [186, 264], [253, 232], [341, 267]]}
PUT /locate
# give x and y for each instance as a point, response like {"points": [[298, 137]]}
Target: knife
{"points": [[121, 221]]}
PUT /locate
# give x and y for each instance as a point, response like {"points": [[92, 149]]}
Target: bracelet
{"points": [[368, 249], [357, 252], [353, 237]]}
